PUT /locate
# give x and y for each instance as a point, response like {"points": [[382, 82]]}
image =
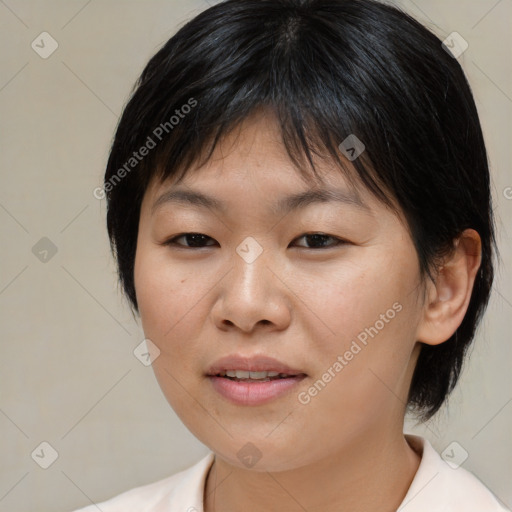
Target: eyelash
{"points": [[339, 241]]}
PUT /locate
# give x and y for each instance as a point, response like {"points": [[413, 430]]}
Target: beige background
{"points": [[68, 373]]}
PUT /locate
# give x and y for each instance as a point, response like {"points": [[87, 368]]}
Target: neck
{"points": [[372, 474]]}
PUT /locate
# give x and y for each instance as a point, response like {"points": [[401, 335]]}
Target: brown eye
{"points": [[199, 240], [194, 240], [320, 240]]}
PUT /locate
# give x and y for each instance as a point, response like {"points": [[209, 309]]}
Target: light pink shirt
{"points": [[436, 487]]}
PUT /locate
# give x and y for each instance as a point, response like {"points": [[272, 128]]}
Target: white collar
{"points": [[436, 487]]}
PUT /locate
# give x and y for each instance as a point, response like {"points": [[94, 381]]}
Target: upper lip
{"points": [[256, 363]]}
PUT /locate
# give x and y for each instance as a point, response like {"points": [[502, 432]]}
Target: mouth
{"points": [[253, 381], [261, 376]]}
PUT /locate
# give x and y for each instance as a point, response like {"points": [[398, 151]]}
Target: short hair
{"points": [[326, 69]]}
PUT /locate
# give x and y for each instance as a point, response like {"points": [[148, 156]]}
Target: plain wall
{"points": [[68, 373]]}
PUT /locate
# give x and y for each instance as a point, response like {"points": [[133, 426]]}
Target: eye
{"points": [[198, 240], [318, 240]]}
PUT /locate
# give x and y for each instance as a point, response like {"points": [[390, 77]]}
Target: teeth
{"points": [[242, 374]]}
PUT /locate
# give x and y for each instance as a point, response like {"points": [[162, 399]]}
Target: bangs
{"points": [[320, 94]]}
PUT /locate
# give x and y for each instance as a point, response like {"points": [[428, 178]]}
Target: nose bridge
{"points": [[251, 292], [250, 274]]}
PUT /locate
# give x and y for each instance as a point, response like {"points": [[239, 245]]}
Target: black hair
{"points": [[326, 69]]}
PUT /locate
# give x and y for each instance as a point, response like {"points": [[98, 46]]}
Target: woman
{"points": [[298, 201]]}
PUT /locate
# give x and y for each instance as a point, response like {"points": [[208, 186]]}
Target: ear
{"points": [[449, 295]]}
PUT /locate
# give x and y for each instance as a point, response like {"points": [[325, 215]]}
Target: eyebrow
{"points": [[283, 206]]}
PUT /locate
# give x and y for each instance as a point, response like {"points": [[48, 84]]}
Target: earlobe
{"points": [[448, 297]]}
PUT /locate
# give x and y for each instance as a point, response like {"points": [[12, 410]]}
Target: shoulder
{"points": [[181, 491], [445, 488]]}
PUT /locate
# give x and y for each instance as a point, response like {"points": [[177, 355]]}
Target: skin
{"points": [[303, 305]]}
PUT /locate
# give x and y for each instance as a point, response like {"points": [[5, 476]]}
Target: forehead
{"points": [[252, 149], [278, 190], [252, 161]]}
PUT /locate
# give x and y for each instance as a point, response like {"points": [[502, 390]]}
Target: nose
{"points": [[252, 295]]}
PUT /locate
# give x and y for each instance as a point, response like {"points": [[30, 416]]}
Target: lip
{"points": [[257, 363], [253, 393]]}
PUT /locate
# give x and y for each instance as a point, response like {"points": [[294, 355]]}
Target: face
{"points": [[286, 329]]}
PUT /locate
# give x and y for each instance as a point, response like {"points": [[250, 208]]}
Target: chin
{"points": [[259, 454]]}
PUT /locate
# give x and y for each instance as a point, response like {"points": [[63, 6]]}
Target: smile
{"points": [[246, 388], [245, 376], [252, 380]]}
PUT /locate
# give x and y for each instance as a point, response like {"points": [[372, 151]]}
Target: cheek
{"points": [[168, 303], [173, 306], [351, 298], [371, 312], [164, 292], [155, 290]]}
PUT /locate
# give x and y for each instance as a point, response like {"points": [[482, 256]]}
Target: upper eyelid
{"points": [[334, 237]]}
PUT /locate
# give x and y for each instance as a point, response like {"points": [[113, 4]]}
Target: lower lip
{"points": [[254, 393]]}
